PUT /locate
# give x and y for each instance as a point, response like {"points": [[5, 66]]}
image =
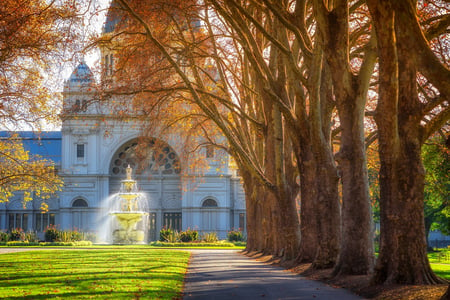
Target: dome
{"points": [[81, 78]]}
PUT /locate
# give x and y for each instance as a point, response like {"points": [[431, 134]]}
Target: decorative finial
{"points": [[129, 170]]}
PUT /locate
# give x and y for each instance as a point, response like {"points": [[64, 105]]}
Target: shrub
{"points": [[240, 244], [193, 245], [235, 236], [81, 243], [188, 235], [51, 233], [16, 234], [164, 234], [31, 237], [3, 237], [21, 243], [174, 237], [210, 237]]}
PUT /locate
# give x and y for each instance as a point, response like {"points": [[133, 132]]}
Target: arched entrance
{"points": [[156, 168], [80, 214]]}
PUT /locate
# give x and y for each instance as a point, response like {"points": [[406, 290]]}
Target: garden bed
{"points": [[220, 244]]}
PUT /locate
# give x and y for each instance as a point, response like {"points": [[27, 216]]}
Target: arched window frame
{"points": [[79, 199], [210, 203]]}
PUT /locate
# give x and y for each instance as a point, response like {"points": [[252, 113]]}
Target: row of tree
{"points": [[299, 89]]}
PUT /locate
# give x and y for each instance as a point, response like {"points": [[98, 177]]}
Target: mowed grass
{"points": [[440, 262], [96, 274], [442, 270]]}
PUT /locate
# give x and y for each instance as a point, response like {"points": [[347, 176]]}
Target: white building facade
{"points": [[96, 147], [92, 151]]}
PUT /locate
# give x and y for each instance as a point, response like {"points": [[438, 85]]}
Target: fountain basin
{"points": [[127, 233], [122, 237]]}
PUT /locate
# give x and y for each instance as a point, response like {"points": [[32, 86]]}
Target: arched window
{"points": [[152, 156], [210, 151], [80, 215], [209, 203], [111, 64], [79, 203], [77, 106], [209, 215], [106, 64]]}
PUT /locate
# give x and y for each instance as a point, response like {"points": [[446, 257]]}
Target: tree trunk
{"points": [[327, 213], [350, 91], [328, 228], [446, 296], [252, 218], [308, 195], [403, 258], [284, 218], [356, 252]]}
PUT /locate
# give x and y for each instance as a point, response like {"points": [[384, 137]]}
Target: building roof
{"points": [[80, 79], [113, 17], [45, 143]]}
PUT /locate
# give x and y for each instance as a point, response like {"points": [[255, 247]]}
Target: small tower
{"points": [[78, 90], [113, 17]]}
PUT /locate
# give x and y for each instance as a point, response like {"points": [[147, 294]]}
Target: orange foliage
{"points": [[32, 34]]}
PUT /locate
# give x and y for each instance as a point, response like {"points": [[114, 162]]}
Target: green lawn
{"points": [[440, 262], [97, 274], [442, 270], [106, 273]]}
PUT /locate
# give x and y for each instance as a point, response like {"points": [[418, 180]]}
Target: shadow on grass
{"points": [[99, 274]]}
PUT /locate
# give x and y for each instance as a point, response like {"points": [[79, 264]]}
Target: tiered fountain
{"points": [[128, 210]]}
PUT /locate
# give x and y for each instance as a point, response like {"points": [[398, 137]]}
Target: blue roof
{"points": [[81, 77], [113, 17], [45, 143]]}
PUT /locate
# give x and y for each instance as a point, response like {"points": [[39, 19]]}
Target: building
{"points": [[92, 151]]}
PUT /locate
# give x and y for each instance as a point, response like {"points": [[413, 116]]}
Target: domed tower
{"points": [[79, 90]]}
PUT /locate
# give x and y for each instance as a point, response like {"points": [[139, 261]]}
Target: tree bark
{"points": [[356, 249], [327, 214], [350, 91], [284, 218], [403, 258], [253, 219], [328, 231], [308, 195]]}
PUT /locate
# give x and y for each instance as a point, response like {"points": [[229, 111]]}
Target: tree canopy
{"points": [[21, 172]]}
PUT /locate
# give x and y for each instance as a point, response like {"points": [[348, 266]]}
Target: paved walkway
{"points": [[226, 274]]}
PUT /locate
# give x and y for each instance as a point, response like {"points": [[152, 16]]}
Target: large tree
{"points": [[402, 129], [341, 30]]}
